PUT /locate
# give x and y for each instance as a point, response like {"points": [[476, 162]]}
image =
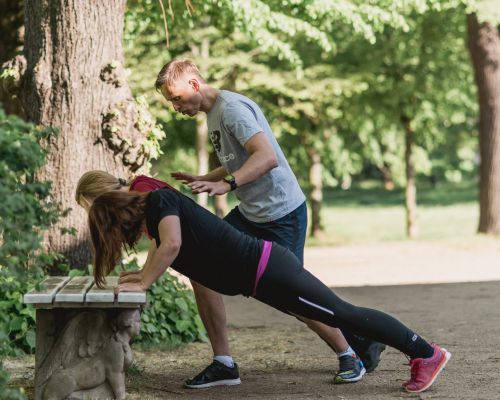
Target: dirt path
{"points": [[280, 359], [405, 263]]}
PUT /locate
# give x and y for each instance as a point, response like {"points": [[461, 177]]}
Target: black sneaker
{"points": [[216, 374], [351, 369], [371, 356]]}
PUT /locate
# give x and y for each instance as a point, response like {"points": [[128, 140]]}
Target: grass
{"points": [[367, 213]]}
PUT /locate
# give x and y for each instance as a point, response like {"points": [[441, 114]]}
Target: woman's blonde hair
{"points": [[92, 184]]}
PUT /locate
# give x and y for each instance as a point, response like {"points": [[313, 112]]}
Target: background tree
{"points": [[413, 98], [484, 47], [71, 78]]}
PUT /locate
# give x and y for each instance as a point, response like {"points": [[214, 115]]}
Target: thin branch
{"points": [[190, 10], [170, 9], [165, 23], [189, 7]]}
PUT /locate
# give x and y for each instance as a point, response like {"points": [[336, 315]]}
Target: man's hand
{"points": [[130, 287], [212, 188], [184, 177], [130, 277]]}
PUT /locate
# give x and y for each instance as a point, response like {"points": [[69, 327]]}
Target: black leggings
{"points": [[288, 287]]}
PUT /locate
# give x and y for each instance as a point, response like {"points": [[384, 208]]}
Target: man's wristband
{"points": [[231, 180]]}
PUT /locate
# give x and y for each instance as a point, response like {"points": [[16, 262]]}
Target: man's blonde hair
{"points": [[174, 70], [94, 183]]}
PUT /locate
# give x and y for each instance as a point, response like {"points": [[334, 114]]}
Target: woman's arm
{"points": [[169, 230], [136, 276]]}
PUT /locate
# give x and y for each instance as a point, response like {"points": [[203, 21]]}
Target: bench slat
{"points": [[132, 297], [48, 289], [74, 291], [104, 295]]}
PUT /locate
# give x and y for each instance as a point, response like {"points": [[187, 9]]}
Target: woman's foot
{"points": [[424, 371]]}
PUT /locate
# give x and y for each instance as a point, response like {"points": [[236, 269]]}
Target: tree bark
{"points": [[316, 191], [484, 47], [221, 206], [387, 177], [411, 190], [202, 153], [75, 82], [201, 53]]}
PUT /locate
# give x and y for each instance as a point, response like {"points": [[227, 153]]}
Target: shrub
{"points": [[171, 318], [26, 211]]}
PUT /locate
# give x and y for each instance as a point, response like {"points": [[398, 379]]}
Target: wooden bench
{"points": [[82, 337]]}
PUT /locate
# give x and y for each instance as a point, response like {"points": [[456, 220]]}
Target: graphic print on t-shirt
{"points": [[215, 137]]}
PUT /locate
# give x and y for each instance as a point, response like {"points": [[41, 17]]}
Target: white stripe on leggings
{"points": [[317, 306]]}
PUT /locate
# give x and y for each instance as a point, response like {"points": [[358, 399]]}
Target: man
{"points": [[272, 205]]}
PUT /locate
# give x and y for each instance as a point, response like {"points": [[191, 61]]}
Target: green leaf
{"points": [[181, 303], [16, 324], [31, 338]]}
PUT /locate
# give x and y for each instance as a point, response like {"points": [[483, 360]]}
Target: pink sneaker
{"points": [[424, 371]]}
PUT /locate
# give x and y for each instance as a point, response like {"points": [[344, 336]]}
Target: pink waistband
{"points": [[264, 258]]}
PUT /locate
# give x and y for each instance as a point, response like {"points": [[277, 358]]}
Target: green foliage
{"points": [[152, 131], [17, 320], [172, 316], [27, 209], [422, 75], [333, 76], [8, 393]]}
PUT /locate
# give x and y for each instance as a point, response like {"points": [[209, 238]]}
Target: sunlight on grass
{"points": [[369, 214], [356, 225]]}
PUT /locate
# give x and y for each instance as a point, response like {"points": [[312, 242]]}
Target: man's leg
{"points": [[222, 371], [332, 336], [213, 315]]}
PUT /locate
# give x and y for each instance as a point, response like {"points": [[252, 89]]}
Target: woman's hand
{"points": [[129, 287], [125, 273], [130, 277]]}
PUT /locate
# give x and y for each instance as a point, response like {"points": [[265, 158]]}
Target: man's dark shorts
{"points": [[288, 231]]}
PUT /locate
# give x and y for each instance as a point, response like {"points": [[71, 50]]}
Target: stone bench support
{"points": [[83, 336]]}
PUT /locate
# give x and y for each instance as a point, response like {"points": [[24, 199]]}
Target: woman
{"points": [[201, 246], [351, 367]]}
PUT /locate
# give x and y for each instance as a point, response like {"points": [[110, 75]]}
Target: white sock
{"points": [[226, 360], [348, 352]]}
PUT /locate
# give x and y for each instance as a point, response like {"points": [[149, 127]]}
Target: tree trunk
{"points": [[411, 190], [385, 168], [220, 202], [201, 54], [75, 82], [484, 47], [316, 191], [202, 153]]}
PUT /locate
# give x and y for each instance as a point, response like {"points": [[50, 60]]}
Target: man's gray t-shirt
{"points": [[232, 121]]}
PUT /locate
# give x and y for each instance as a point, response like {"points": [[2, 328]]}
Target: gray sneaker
{"points": [[351, 370]]}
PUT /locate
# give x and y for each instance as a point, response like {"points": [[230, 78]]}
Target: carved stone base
{"points": [[83, 353]]}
